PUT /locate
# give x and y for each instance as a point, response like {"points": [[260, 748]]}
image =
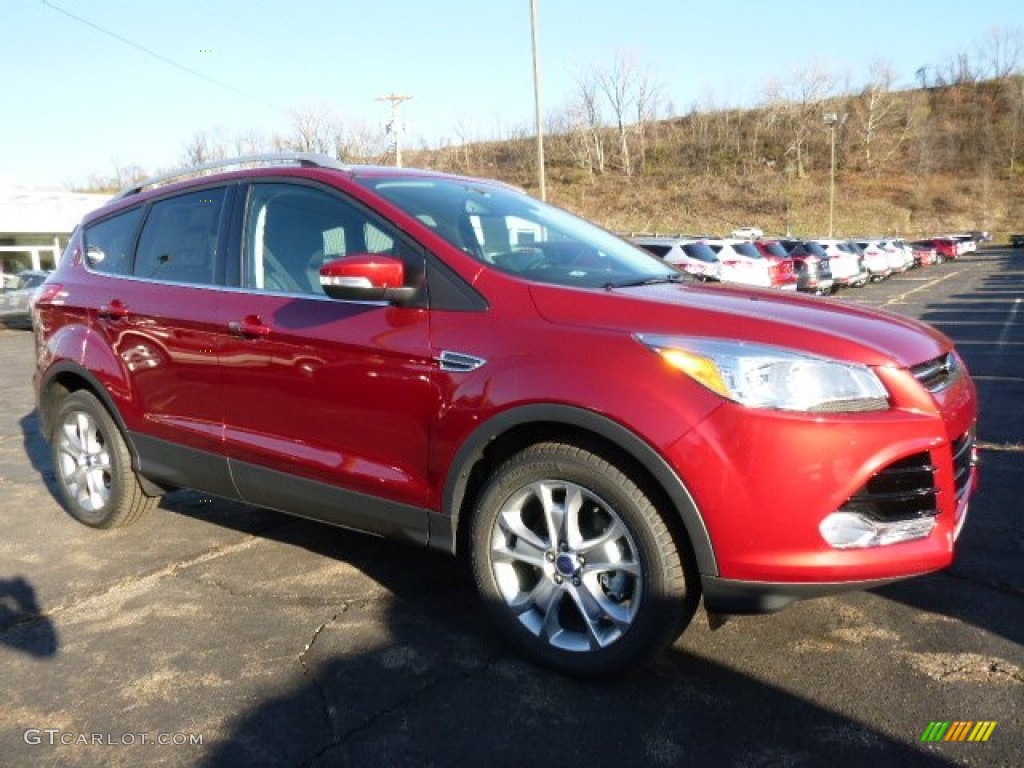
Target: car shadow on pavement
{"points": [[428, 698], [38, 451], [21, 625], [417, 675], [985, 584]]}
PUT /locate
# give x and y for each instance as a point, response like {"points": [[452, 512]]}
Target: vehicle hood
{"points": [[821, 326]]}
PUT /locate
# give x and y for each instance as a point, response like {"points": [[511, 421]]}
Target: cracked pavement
{"points": [[287, 643]]}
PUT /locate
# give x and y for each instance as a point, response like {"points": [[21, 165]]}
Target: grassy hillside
{"points": [[908, 163]]}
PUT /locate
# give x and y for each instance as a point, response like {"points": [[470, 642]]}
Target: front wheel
{"points": [[576, 563], [93, 465]]}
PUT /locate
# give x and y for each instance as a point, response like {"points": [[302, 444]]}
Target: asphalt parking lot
{"points": [[274, 641]]}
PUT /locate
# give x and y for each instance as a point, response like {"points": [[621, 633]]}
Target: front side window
{"points": [[108, 243], [520, 235], [291, 230], [179, 241]]}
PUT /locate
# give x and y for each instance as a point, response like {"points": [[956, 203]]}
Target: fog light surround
{"points": [[846, 530]]}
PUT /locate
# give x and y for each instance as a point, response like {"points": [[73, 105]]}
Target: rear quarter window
{"points": [[108, 243]]}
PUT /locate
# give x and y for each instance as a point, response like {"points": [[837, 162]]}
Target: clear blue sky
{"points": [[76, 100]]}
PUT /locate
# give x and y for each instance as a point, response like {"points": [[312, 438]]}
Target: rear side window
{"points": [[701, 252], [747, 249], [180, 238], [657, 250], [108, 243]]}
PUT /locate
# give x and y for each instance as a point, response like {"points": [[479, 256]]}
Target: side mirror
{"points": [[367, 277]]}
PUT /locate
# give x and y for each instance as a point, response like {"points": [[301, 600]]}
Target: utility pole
{"points": [[536, 102], [831, 118], [395, 126]]}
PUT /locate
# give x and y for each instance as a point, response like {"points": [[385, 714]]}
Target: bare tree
{"points": [[589, 108], [646, 91], [251, 143], [1002, 50], [957, 69], [799, 101], [358, 142], [203, 148], [312, 130], [880, 114], [616, 82]]}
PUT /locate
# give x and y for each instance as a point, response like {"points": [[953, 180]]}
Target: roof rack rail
{"points": [[307, 159]]}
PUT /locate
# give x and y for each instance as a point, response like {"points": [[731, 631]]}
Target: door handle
{"points": [[250, 327], [115, 310]]}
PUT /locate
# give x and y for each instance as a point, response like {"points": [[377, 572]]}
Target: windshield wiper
{"points": [[675, 277]]}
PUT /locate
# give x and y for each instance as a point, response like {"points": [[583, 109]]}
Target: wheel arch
{"points": [[66, 377], [510, 431]]}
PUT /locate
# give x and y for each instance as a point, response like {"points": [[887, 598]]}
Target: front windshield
{"points": [[520, 235]]}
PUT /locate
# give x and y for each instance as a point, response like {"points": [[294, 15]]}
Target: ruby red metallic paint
{"points": [[349, 395]]}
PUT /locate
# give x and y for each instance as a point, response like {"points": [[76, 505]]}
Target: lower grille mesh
{"points": [[902, 491]]}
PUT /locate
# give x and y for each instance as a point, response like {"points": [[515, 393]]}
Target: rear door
{"points": [[161, 314]]}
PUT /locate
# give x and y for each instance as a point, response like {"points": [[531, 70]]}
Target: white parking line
{"points": [[898, 298]]}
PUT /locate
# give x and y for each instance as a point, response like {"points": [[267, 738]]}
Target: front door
{"points": [[327, 404]]}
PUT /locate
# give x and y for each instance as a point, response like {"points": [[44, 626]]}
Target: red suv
{"points": [[450, 362]]}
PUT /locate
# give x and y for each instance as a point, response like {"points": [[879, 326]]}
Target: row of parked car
{"points": [[821, 265]]}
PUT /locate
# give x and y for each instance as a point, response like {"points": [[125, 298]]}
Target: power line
{"points": [[161, 57]]}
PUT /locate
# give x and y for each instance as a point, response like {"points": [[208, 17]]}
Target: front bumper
{"points": [[737, 597], [765, 480]]}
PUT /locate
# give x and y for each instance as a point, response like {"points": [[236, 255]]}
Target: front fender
{"points": [[473, 447]]}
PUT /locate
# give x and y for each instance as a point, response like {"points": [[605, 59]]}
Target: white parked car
{"points": [[691, 256], [896, 258], [743, 263], [876, 259], [747, 233], [847, 264], [903, 250]]}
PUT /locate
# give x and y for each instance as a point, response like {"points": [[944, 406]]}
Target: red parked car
{"points": [[945, 248], [450, 362], [925, 253], [781, 268]]}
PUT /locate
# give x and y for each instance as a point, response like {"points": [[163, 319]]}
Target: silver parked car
{"points": [[15, 300]]}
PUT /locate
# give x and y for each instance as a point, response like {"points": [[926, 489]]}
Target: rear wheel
{"points": [[576, 564], [93, 465]]}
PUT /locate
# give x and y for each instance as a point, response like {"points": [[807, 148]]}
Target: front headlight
{"points": [[761, 376]]}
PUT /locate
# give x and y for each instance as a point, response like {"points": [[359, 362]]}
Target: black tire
{"points": [[541, 591], [93, 466]]}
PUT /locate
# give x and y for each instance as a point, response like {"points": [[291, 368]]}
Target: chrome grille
{"points": [[935, 375], [963, 460]]}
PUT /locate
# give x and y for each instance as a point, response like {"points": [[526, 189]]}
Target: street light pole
{"points": [[831, 118], [536, 102]]}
